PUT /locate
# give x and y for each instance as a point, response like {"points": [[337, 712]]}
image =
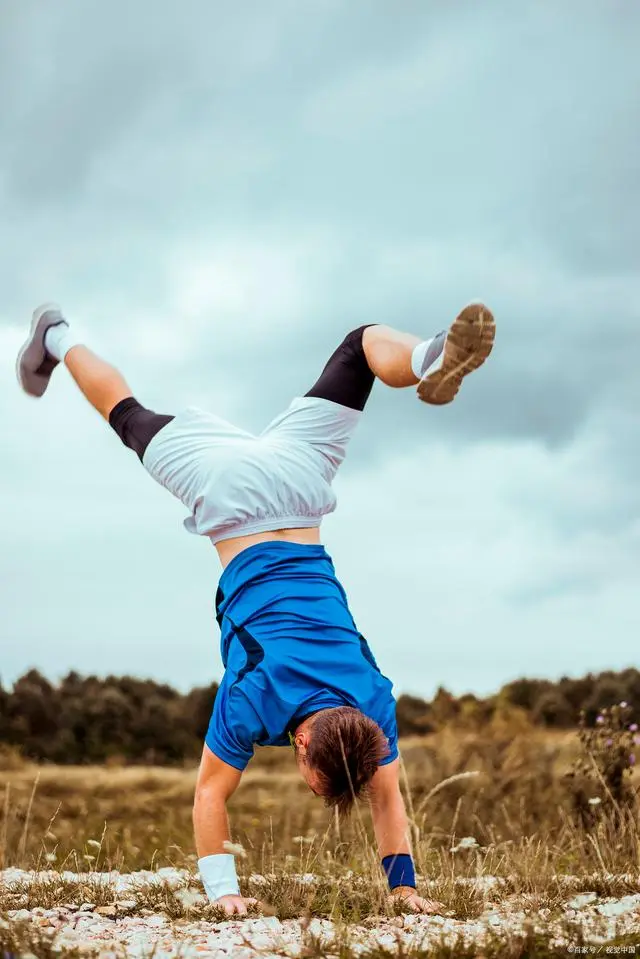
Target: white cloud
{"points": [[259, 289]]}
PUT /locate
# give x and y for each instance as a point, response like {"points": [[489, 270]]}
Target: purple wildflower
{"points": [[633, 728], [600, 719], [609, 742], [632, 760]]}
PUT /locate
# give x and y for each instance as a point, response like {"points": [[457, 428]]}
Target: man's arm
{"points": [[217, 781], [391, 827], [388, 811]]}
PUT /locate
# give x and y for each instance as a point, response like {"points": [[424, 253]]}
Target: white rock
{"points": [[321, 927], [22, 915], [272, 923], [259, 940], [108, 911], [126, 904], [579, 902], [135, 936], [618, 907], [387, 939]]}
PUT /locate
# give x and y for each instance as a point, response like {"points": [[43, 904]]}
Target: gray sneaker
{"points": [[35, 365], [451, 356]]}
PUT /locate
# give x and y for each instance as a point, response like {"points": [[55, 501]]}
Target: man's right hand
{"points": [[234, 905]]}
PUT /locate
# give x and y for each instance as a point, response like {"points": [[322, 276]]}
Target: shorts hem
{"points": [[267, 526]]}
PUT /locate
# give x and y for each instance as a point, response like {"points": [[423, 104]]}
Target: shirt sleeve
{"points": [[390, 729], [231, 734], [384, 714]]}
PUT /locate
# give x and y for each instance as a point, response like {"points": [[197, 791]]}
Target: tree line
{"points": [[123, 719]]}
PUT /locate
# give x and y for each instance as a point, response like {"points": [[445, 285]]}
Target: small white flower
{"points": [[256, 877], [595, 801], [188, 897], [468, 842], [623, 705], [234, 849], [51, 857]]}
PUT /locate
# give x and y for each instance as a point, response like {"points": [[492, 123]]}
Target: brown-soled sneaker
{"points": [[454, 354]]}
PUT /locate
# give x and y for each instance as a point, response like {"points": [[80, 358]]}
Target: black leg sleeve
{"points": [[347, 378], [135, 425]]}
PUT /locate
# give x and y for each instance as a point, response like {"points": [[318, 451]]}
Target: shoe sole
{"points": [[469, 343], [29, 342]]}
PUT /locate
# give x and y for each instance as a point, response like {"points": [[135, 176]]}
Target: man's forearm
{"points": [[391, 826], [215, 861], [210, 823], [216, 783], [392, 833]]}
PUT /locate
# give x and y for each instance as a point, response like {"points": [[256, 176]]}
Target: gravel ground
{"points": [[115, 930]]}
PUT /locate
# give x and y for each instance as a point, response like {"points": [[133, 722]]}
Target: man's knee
{"points": [[347, 378], [135, 425]]}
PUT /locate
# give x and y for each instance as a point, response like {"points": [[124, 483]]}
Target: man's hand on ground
{"points": [[409, 899], [235, 905]]}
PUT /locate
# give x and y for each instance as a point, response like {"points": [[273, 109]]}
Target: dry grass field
{"points": [[497, 826]]}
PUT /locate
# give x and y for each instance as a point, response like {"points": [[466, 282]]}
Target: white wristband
{"points": [[218, 874]]}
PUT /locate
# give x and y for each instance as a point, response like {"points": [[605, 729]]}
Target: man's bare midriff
{"points": [[230, 548]]}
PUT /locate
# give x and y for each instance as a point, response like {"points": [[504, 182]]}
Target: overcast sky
{"points": [[217, 193]]}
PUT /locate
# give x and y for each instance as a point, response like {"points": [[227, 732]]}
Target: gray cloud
{"points": [[220, 194]]}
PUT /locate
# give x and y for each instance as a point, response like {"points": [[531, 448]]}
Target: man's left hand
{"points": [[408, 898]]}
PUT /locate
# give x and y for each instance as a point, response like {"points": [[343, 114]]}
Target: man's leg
{"points": [[102, 384], [437, 366], [52, 341], [107, 390], [389, 354]]}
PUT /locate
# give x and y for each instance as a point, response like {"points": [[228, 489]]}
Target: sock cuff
{"points": [[417, 358], [428, 356], [59, 339]]}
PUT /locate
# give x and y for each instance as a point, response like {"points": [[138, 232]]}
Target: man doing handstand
{"points": [[295, 663]]}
